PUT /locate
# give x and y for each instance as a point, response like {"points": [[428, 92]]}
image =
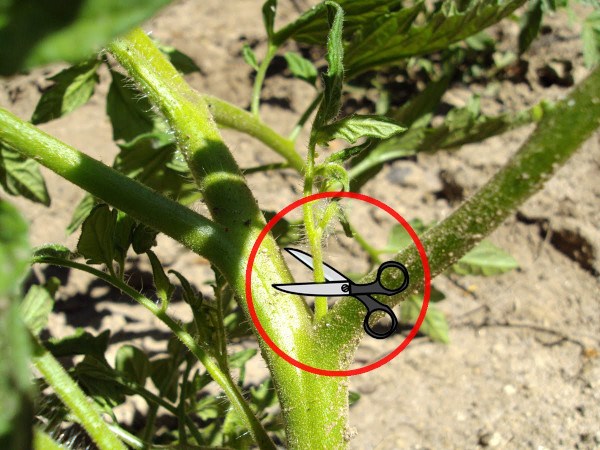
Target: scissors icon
{"points": [[338, 284]]}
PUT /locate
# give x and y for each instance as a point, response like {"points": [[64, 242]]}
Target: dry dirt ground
{"points": [[523, 366]]}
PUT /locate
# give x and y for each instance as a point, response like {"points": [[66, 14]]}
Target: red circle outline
{"points": [[426, 289]]}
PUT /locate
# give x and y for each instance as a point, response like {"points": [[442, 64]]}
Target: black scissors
{"points": [[338, 284]]}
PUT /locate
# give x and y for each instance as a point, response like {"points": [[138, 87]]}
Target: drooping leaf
{"points": [[434, 325], [269, 9], [530, 25], [182, 62], [353, 128], [249, 56], [36, 32], [301, 67], [36, 307], [96, 242], [14, 249], [129, 110], [98, 380], [143, 238], [334, 78], [164, 288], [20, 175], [133, 363], [80, 342], [485, 259], [72, 88], [590, 34]]}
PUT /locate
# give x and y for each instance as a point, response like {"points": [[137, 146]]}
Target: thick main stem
{"points": [[559, 134], [314, 408]]}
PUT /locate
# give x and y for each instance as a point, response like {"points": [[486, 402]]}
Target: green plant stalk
{"points": [[223, 379], [43, 441], [315, 408], [228, 115], [73, 397], [260, 78], [558, 135], [189, 228]]}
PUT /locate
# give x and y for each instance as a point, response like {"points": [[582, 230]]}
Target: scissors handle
{"points": [[377, 287], [373, 306]]}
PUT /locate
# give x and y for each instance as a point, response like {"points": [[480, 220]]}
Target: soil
{"points": [[522, 369]]}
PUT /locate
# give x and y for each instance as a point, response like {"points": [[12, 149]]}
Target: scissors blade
{"points": [[334, 289], [330, 273]]}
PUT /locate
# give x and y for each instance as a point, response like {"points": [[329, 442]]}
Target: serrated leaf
{"points": [[164, 288], [36, 32], [96, 242], [269, 9], [590, 35], [20, 175], [182, 62], [239, 359], [397, 35], [334, 78], [14, 248], [354, 127], [129, 111], [79, 343], [72, 88], [133, 363], [434, 325], [36, 308], [485, 259], [82, 210], [301, 67], [57, 251], [530, 25], [249, 56]]}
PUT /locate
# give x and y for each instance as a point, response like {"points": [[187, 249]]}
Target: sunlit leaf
{"points": [[355, 127], [485, 259], [301, 67], [20, 175]]}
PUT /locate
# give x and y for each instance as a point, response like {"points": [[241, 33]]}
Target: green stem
{"points": [[558, 135], [260, 78], [191, 229], [43, 441], [88, 415], [228, 115], [222, 379], [315, 410]]}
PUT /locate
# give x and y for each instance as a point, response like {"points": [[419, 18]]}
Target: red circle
{"points": [[426, 289]]}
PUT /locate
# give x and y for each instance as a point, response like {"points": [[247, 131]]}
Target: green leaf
{"points": [[164, 374], [301, 67], [133, 363], [123, 234], [485, 259], [57, 251], [590, 35], [36, 307], [350, 152], [353, 397], [285, 232], [79, 343], [238, 360], [530, 25], [143, 238], [21, 176], [96, 242], [334, 78], [14, 249], [249, 56], [353, 128], [269, 9], [72, 88], [182, 62], [434, 325], [399, 237], [423, 104], [37, 32], [83, 209], [189, 295], [98, 380], [164, 288], [398, 35], [128, 109]]}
